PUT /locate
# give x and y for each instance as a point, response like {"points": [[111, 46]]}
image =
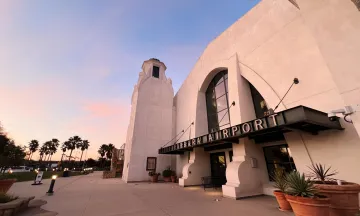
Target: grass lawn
{"points": [[30, 176]]}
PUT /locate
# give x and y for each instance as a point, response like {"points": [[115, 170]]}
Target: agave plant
{"points": [[322, 173], [298, 185], [279, 177]]}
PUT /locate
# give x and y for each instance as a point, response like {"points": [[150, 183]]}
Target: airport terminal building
{"points": [[257, 99]]}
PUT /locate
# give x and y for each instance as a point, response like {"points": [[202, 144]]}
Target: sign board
{"points": [[38, 178]]}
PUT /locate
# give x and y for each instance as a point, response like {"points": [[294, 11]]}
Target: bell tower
{"points": [[151, 122]]}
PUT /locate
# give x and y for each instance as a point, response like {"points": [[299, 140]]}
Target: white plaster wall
{"points": [[272, 44], [198, 166], [152, 122], [337, 37]]}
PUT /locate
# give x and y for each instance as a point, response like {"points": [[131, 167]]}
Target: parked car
{"points": [[18, 169]]}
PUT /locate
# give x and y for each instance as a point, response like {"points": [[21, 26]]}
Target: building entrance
{"points": [[218, 164]]}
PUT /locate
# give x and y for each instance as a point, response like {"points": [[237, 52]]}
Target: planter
{"points": [[173, 179], [6, 184], [167, 179], [344, 199], [284, 205], [154, 178], [304, 206]]}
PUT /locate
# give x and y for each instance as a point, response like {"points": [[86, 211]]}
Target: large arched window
{"points": [[217, 103]]}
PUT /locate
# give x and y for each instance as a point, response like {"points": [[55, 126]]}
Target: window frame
{"points": [[220, 78], [147, 163]]}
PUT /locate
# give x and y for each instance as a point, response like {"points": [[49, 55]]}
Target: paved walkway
{"points": [[93, 196]]}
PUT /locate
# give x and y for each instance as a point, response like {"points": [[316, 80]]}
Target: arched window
{"points": [[260, 105], [217, 103]]}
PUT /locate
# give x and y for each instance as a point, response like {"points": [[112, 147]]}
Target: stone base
{"points": [[109, 174], [15, 206], [235, 192]]}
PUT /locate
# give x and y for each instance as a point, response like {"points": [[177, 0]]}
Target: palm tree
{"points": [[72, 144], [53, 145], [33, 147], [42, 151], [109, 149], [102, 151], [84, 146], [47, 149], [63, 148]]}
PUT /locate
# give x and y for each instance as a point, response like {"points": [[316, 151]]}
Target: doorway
{"points": [[218, 164]]}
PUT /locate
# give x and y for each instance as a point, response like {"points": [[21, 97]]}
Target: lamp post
{"points": [[51, 188]]}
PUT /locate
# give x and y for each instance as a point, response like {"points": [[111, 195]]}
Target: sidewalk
{"points": [[93, 196]]}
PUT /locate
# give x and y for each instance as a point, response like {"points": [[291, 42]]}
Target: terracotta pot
{"points": [[173, 179], [6, 184], [304, 206], [167, 179], [283, 203], [154, 178], [344, 199]]}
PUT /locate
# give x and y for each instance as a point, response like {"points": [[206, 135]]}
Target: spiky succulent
{"points": [[298, 185], [322, 173], [279, 177]]}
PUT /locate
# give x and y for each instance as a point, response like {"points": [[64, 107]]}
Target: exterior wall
{"points": [[270, 46], [337, 37], [150, 124]]}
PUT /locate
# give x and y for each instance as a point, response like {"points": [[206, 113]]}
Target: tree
{"points": [[45, 150], [84, 145], [53, 145], [109, 149], [102, 151], [10, 154], [63, 149], [91, 162], [72, 144], [33, 147]]}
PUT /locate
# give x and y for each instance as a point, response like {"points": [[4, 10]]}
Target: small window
{"points": [[151, 163], [155, 72]]}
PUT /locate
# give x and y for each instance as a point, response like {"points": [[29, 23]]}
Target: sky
{"points": [[69, 67]]}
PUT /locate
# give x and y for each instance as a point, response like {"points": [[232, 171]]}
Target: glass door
{"points": [[218, 164]]}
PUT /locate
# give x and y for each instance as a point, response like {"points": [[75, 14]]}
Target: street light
{"points": [[51, 188]]}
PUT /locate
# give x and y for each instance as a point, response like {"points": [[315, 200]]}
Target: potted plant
{"points": [[6, 182], [154, 176], [173, 176], [279, 178], [167, 174], [344, 196], [303, 196]]}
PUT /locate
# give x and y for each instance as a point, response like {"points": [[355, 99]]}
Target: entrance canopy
{"points": [[297, 118]]}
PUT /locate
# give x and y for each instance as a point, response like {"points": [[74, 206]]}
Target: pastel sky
{"points": [[68, 67]]}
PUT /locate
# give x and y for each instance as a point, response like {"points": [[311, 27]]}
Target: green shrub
{"points": [[167, 173], [4, 198], [153, 173]]}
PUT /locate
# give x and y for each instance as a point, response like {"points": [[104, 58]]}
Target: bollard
{"points": [[51, 188]]}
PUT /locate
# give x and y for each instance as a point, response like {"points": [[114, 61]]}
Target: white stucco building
{"points": [[220, 122]]}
